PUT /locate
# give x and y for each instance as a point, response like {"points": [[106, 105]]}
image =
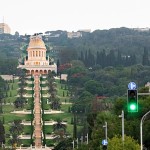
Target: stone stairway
{"points": [[37, 114]]}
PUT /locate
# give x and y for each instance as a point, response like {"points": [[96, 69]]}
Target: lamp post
{"points": [[73, 144], [141, 129], [122, 116], [87, 139], [105, 126], [77, 143]]}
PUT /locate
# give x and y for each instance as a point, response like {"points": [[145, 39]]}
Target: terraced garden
{"points": [[50, 117]]}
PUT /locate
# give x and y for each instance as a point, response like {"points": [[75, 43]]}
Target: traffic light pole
{"points": [[141, 128]]}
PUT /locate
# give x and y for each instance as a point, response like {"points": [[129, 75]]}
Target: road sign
{"points": [[104, 142], [131, 86]]}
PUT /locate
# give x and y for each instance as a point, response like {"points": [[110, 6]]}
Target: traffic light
{"points": [[132, 101]]}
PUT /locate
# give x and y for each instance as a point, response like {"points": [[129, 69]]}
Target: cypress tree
{"points": [[145, 60], [119, 59], [75, 127], [2, 133]]}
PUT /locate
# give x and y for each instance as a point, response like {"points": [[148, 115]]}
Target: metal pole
{"points": [[122, 125], [141, 129], [87, 139], [141, 135], [106, 130], [122, 116], [77, 143], [105, 126], [73, 144]]}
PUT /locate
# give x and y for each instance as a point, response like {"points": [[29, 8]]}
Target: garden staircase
{"points": [[37, 114]]}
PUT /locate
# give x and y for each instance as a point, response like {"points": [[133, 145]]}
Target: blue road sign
{"points": [[104, 142], [131, 86]]}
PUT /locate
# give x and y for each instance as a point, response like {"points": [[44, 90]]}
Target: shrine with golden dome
{"points": [[36, 60]]}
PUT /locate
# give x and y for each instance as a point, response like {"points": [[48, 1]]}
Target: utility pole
{"points": [[122, 116], [141, 129]]}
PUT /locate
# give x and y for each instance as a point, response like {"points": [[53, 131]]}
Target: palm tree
{"points": [[55, 103], [19, 102], [16, 129], [14, 141], [65, 144], [60, 129]]}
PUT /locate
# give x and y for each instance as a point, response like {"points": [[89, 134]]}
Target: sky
{"points": [[34, 16]]}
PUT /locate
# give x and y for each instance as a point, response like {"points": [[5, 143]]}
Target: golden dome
{"points": [[36, 42]]}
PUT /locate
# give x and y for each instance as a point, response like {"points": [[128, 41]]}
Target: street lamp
{"points": [[73, 144], [105, 126], [122, 116], [87, 139], [77, 143], [141, 128]]}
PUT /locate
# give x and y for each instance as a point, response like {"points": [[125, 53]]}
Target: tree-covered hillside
{"points": [[126, 41], [92, 48]]}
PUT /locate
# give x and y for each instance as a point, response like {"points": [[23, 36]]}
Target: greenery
{"points": [[99, 66], [116, 143]]}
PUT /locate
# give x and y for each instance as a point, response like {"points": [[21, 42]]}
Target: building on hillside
{"points": [[4, 28], [74, 35], [142, 29], [85, 30], [36, 60], [64, 77]]}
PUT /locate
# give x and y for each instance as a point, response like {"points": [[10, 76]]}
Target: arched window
{"points": [[32, 71]]}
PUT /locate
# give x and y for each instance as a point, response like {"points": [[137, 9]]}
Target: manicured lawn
{"points": [[65, 107], [48, 129], [27, 129], [26, 143], [30, 85], [63, 116], [29, 92], [69, 129]]}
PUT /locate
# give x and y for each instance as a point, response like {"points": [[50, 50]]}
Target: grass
{"points": [[28, 129], [29, 92], [65, 107], [48, 129], [26, 143], [63, 116]]}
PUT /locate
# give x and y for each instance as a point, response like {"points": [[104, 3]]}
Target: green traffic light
{"points": [[132, 107], [132, 101]]}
